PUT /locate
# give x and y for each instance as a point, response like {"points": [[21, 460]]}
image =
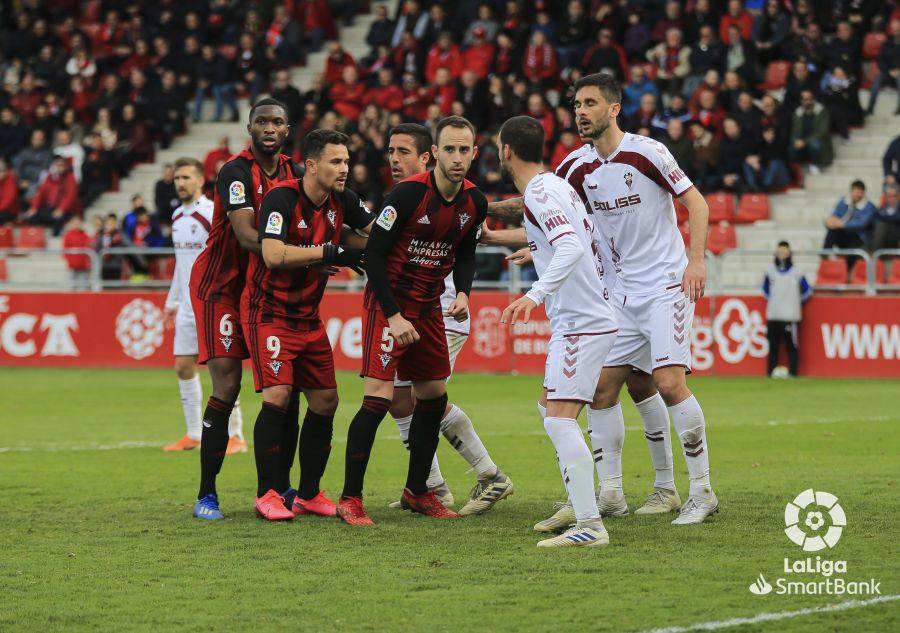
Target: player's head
{"points": [[268, 126], [597, 100], [409, 150], [327, 158], [188, 178], [454, 147], [521, 141]]}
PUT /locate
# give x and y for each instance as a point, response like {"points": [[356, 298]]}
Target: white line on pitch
{"points": [[771, 617]]}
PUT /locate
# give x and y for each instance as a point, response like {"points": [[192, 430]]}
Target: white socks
{"points": [[435, 477], [191, 399], [576, 465], [691, 428], [236, 421], [607, 430], [458, 430], [659, 441]]}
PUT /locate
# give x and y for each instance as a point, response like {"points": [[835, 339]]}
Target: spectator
{"points": [[672, 19], [703, 15], [747, 115], [887, 221], [738, 17], [710, 113], [573, 34], [472, 93], [485, 23], [844, 50], [706, 156], [348, 94], [811, 134], [412, 20], [96, 171], [740, 55], [26, 99], [380, 30], [479, 55], [672, 62], [809, 48], [708, 54], [13, 135], [130, 220], [135, 144], [283, 91], [637, 37], [850, 223], [645, 114], [110, 237], [81, 65], [733, 152], [444, 54], [283, 36], [801, 79], [167, 109], [387, 95], [79, 264], [165, 195], [540, 66], [70, 150], [9, 194], [840, 97], [635, 89], [214, 77], [679, 144], [677, 109], [765, 168], [32, 161], [710, 83], [890, 162], [888, 68], [365, 185], [335, 63], [771, 30], [443, 92], [786, 290], [221, 153], [56, 199], [568, 143], [606, 57]]}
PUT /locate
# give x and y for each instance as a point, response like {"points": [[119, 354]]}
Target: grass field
{"points": [[96, 531]]}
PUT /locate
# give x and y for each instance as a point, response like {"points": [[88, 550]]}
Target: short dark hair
{"points": [[314, 143], [525, 136], [609, 86], [858, 184], [453, 121], [188, 161], [419, 133], [784, 243], [269, 101]]}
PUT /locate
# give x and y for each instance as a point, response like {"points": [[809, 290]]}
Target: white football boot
{"points": [[485, 495], [589, 533], [562, 519], [697, 509], [660, 501]]}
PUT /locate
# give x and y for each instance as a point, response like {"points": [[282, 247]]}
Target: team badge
{"points": [[236, 193], [275, 366], [628, 176], [385, 359], [463, 218], [274, 223], [332, 216], [226, 342], [386, 218]]}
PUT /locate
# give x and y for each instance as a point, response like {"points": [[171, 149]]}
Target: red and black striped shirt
{"points": [[417, 240], [218, 274], [291, 296]]}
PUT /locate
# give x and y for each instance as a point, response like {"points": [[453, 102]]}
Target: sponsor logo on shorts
{"points": [[236, 193], [275, 366]]}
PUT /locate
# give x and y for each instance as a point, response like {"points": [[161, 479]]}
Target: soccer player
{"points": [[190, 228], [561, 239], [217, 280], [301, 225], [427, 227], [409, 153]]}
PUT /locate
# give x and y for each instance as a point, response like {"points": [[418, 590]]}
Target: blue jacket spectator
{"points": [[850, 223], [632, 92]]}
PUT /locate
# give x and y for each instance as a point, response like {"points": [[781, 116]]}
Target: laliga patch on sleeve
{"points": [[273, 225], [387, 218], [236, 194]]}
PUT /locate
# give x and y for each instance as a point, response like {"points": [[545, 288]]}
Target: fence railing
{"points": [[723, 275]]}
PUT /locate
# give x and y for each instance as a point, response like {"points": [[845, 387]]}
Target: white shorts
{"points": [[574, 364], [185, 332], [455, 343], [654, 330]]}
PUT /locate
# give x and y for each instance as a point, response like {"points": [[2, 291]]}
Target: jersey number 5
{"points": [[387, 341]]}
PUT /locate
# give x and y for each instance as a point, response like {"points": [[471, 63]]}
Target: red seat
{"points": [[832, 271], [872, 44], [894, 277], [753, 207], [721, 207], [860, 274], [3, 273], [722, 237], [31, 237], [681, 212], [776, 75], [6, 237]]}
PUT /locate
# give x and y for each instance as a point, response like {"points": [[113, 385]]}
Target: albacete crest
{"points": [[628, 177]]}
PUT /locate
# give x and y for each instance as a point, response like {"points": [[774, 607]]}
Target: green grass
{"points": [[103, 539]]}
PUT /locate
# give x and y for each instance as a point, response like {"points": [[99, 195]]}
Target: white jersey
{"points": [[575, 303], [629, 195], [190, 228], [451, 324]]}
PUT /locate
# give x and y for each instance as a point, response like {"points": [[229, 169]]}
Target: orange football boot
{"points": [[427, 504], [270, 506], [184, 444], [235, 445], [350, 510], [320, 505]]}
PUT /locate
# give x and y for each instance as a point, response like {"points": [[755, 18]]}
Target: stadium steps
{"points": [[797, 215]]}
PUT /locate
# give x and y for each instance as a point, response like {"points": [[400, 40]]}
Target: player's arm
{"points": [[507, 238], [276, 216], [507, 210], [358, 219], [394, 215], [172, 298], [234, 186], [694, 282], [464, 263]]}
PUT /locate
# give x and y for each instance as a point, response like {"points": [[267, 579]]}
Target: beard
{"points": [[266, 151]]}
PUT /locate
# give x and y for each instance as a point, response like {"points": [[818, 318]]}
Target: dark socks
{"points": [[360, 438], [214, 441], [289, 436], [315, 447], [267, 437], [424, 432]]}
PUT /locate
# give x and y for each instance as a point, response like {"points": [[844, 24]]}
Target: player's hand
{"points": [[402, 330], [521, 307], [323, 269], [169, 316], [352, 258], [520, 257], [459, 309], [693, 284]]}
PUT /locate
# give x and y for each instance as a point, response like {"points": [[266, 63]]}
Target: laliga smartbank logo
{"points": [[815, 521]]}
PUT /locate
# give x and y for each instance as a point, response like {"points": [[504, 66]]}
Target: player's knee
{"points": [[640, 386], [672, 387], [605, 396], [279, 396], [324, 402], [185, 368]]}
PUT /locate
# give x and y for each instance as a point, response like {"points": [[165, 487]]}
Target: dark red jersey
{"points": [[218, 274], [417, 240], [291, 296]]}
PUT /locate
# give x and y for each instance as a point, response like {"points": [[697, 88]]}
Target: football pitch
{"points": [[96, 530]]}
